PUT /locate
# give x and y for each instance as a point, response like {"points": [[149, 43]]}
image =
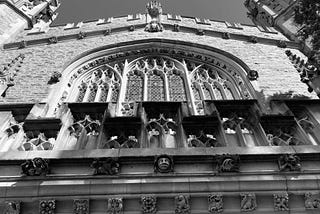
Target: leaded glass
{"points": [[82, 92], [155, 88], [134, 88], [176, 88], [93, 92], [115, 93], [104, 94]]}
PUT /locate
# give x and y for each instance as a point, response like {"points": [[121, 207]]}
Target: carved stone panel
{"points": [[163, 164], [215, 203], [289, 162], [182, 204], [12, 207], [105, 166], [311, 201], [248, 202], [35, 167], [81, 206], [149, 204], [47, 206], [115, 206], [228, 163], [281, 201]]}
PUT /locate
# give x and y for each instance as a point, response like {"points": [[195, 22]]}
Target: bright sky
{"points": [[82, 10]]}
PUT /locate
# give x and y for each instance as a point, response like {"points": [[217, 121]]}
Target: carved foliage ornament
{"points": [[281, 202], [149, 204], [228, 163], [182, 204], [115, 206], [215, 203], [81, 206], [163, 164], [12, 207], [105, 166], [35, 167], [311, 202], [289, 162], [248, 202], [47, 206]]}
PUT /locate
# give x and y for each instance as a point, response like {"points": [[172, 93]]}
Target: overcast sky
{"points": [[82, 10]]}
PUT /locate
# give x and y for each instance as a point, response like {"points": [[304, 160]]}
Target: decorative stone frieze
{"points": [[131, 28], [115, 206], [105, 166], [289, 162], [47, 206], [53, 40], [107, 32], [22, 44], [253, 75], [12, 207], [154, 10], [228, 163], [311, 201], [281, 201], [55, 77], [282, 44], [176, 28], [253, 39], [82, 35], [35, 167], [248, 202], [215, 203], [200, 32], [163, 164], [81, 206], [149, 204], [226, 35], [182, 204]]}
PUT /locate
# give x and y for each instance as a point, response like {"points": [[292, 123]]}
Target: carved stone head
{"points": [[163, 164]]}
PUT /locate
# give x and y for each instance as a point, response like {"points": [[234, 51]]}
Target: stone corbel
{"points": [[35, 167], [105, 166]]}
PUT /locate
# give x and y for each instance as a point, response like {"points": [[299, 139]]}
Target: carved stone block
{"points": [[149, 204], [215, 203], [12, 207], [107, 32], [105, 166], [176, 27], [282, 44], [55, 77], [289, 162], [47, 206], [132, 28], [253, 75], [35, 167], [226, 35], [163, 164], [228, 163], [311, 201], [281, 202], [115, 206], [182, 204], [248, 202], [200, 32], [253, 39], [53, 40], [81, 35], [81, 206]]}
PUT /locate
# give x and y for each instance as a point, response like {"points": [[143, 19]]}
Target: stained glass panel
{"points": [[134, 88], [176, 88], [155, 88]]}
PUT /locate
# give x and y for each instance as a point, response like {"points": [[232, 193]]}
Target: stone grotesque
{"points": [[215, 203], [281, 202], [154, 9], [182, 204], [47, 206], [105, 166], [12, 207], [311, 202], [289, 162], [81, 206], [248, 202], [163, 164], [35, 167], [55, 77], [149, 204], [115, 206], [228, 163]]}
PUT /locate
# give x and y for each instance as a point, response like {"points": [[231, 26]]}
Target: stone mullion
{"points": [[145, 87], [189, 93], [87, 94], [98, 94], [123, 88], [166, 86]]}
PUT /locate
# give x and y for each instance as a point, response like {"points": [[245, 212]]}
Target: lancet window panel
{"points": [[135, 85], [176, 88], [156, 87]]}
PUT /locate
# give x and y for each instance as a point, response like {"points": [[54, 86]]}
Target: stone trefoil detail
{"points": [[248, 202], [47, 206], [215, 203], [182, 204], [149, 204], [154, 10], [115, 206], [81, 206]]}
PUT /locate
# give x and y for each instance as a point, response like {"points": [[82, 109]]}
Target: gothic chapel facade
{"points": [[154, 113]]}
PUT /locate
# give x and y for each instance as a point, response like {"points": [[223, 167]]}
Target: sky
{"points": [[73, 11]]}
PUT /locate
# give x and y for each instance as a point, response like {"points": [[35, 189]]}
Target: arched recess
{"points": [[126, 72]]}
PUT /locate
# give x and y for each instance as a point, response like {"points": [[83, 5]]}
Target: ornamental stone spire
{"points": [[154, 12]]}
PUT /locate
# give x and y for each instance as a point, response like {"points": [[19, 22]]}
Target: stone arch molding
{"points": [[154, 70]]}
